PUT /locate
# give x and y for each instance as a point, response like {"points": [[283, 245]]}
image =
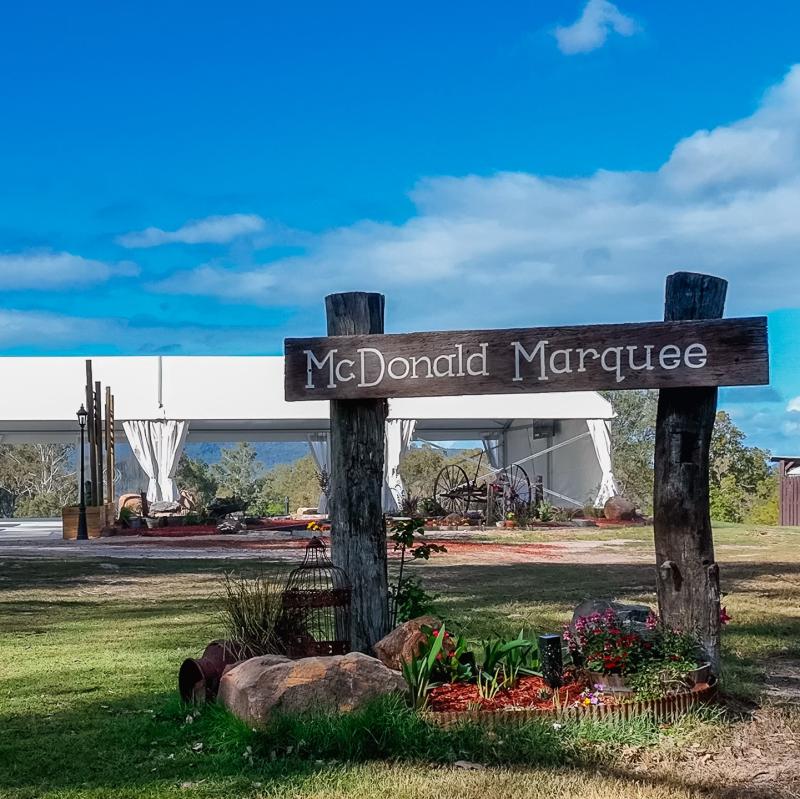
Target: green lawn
{"points": [[90, 654]]}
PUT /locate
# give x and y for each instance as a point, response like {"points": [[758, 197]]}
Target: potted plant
{"points": [[608, 648], [510, 520], [129, 518]]}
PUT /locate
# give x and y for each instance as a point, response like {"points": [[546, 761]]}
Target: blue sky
{"points": [[193, 178]]}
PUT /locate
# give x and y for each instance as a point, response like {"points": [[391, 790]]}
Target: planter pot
{"points": [[614, 683], [98, 518], [198, 678], [135, 523], [508, 523], [702, 674], [152, 523], [499, 524]]}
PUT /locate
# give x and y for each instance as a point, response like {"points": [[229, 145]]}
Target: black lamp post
{"points": [[83, 530]]}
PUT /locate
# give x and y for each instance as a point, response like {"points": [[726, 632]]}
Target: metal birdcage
{"points": [[316, 606]]}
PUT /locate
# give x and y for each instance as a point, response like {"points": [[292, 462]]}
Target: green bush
{"points": [[39, 506]]}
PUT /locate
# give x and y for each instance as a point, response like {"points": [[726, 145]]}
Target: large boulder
{"points": [[257, 687], [404, 642], [619, 509]]}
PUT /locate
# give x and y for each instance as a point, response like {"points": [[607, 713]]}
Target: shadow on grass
{"points": [[151, 745], [570, 583]]}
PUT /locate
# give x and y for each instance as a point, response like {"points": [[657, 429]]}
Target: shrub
{"points": [[603, 643], [411, 600], [408, 537]]}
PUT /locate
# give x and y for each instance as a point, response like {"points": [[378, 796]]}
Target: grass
{"points": [[88, 704]]}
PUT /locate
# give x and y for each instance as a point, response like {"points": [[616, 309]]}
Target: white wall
{"points": [[576, 472], [572, 470]]}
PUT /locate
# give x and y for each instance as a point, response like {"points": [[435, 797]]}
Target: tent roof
{"points": [[223, 394]]}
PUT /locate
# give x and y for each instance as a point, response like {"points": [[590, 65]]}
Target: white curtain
{"points": [[601, 438], [320, 447], [399, 433], [157, 446], [491, 446]]}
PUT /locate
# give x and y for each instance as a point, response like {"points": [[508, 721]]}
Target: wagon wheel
{"points": [[512, 492], [518, 489], [452, 489]]}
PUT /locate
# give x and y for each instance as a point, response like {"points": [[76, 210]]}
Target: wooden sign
{"points": [[717, 352]]}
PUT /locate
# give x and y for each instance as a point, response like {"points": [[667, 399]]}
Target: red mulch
{"points": [[453, 697], [600, 522], [184, 531], [181, 537], [178, 531], [553, 551], [219, 542]]}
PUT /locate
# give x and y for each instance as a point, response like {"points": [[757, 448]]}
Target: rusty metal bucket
{"points": [[198, 678]]}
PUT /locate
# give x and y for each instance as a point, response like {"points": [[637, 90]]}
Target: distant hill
{"points": [[270, 453]]}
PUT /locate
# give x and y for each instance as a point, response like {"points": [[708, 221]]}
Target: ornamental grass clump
{"points": [[251, 613]]}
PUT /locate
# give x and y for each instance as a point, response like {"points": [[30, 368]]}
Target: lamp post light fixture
{"points": [[83, 530]]}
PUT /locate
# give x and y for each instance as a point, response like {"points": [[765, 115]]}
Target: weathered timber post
{"points": [[358, 538], [687, 575]]}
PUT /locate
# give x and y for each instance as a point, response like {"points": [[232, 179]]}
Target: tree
{"points": [[196, 476], [298, 481], [633, 436], [239, 473], [418, 469], [741, 478], [742, 485], [37, 479]]}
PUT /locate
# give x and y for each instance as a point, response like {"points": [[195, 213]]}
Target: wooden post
{"points": [[98, 443], [687, 575], [358, 537], [90, 435], [110, 445]]}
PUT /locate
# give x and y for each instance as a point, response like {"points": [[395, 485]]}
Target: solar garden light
{"points": [[83, 531], [550, 659]]}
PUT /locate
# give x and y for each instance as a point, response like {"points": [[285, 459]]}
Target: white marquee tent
{"points": [[562, 437]]}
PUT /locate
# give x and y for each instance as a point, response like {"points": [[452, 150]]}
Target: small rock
{"points": [[466, 765], [404, 642], [619, 509], [634, 615], [164, 506]]}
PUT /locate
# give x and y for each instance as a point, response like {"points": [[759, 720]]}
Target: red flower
{"points": [[724, 618]]}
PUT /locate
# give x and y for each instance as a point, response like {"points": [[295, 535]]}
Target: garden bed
{"points": [[665, 709]]}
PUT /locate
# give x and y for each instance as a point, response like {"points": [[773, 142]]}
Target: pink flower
{"points": [[652, 621]]}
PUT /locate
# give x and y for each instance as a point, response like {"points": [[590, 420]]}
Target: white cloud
{"points": [[37, 328], [518, 248], [211, 230], [591, 29], [45, 269], [794, 405], [53, 334]]}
